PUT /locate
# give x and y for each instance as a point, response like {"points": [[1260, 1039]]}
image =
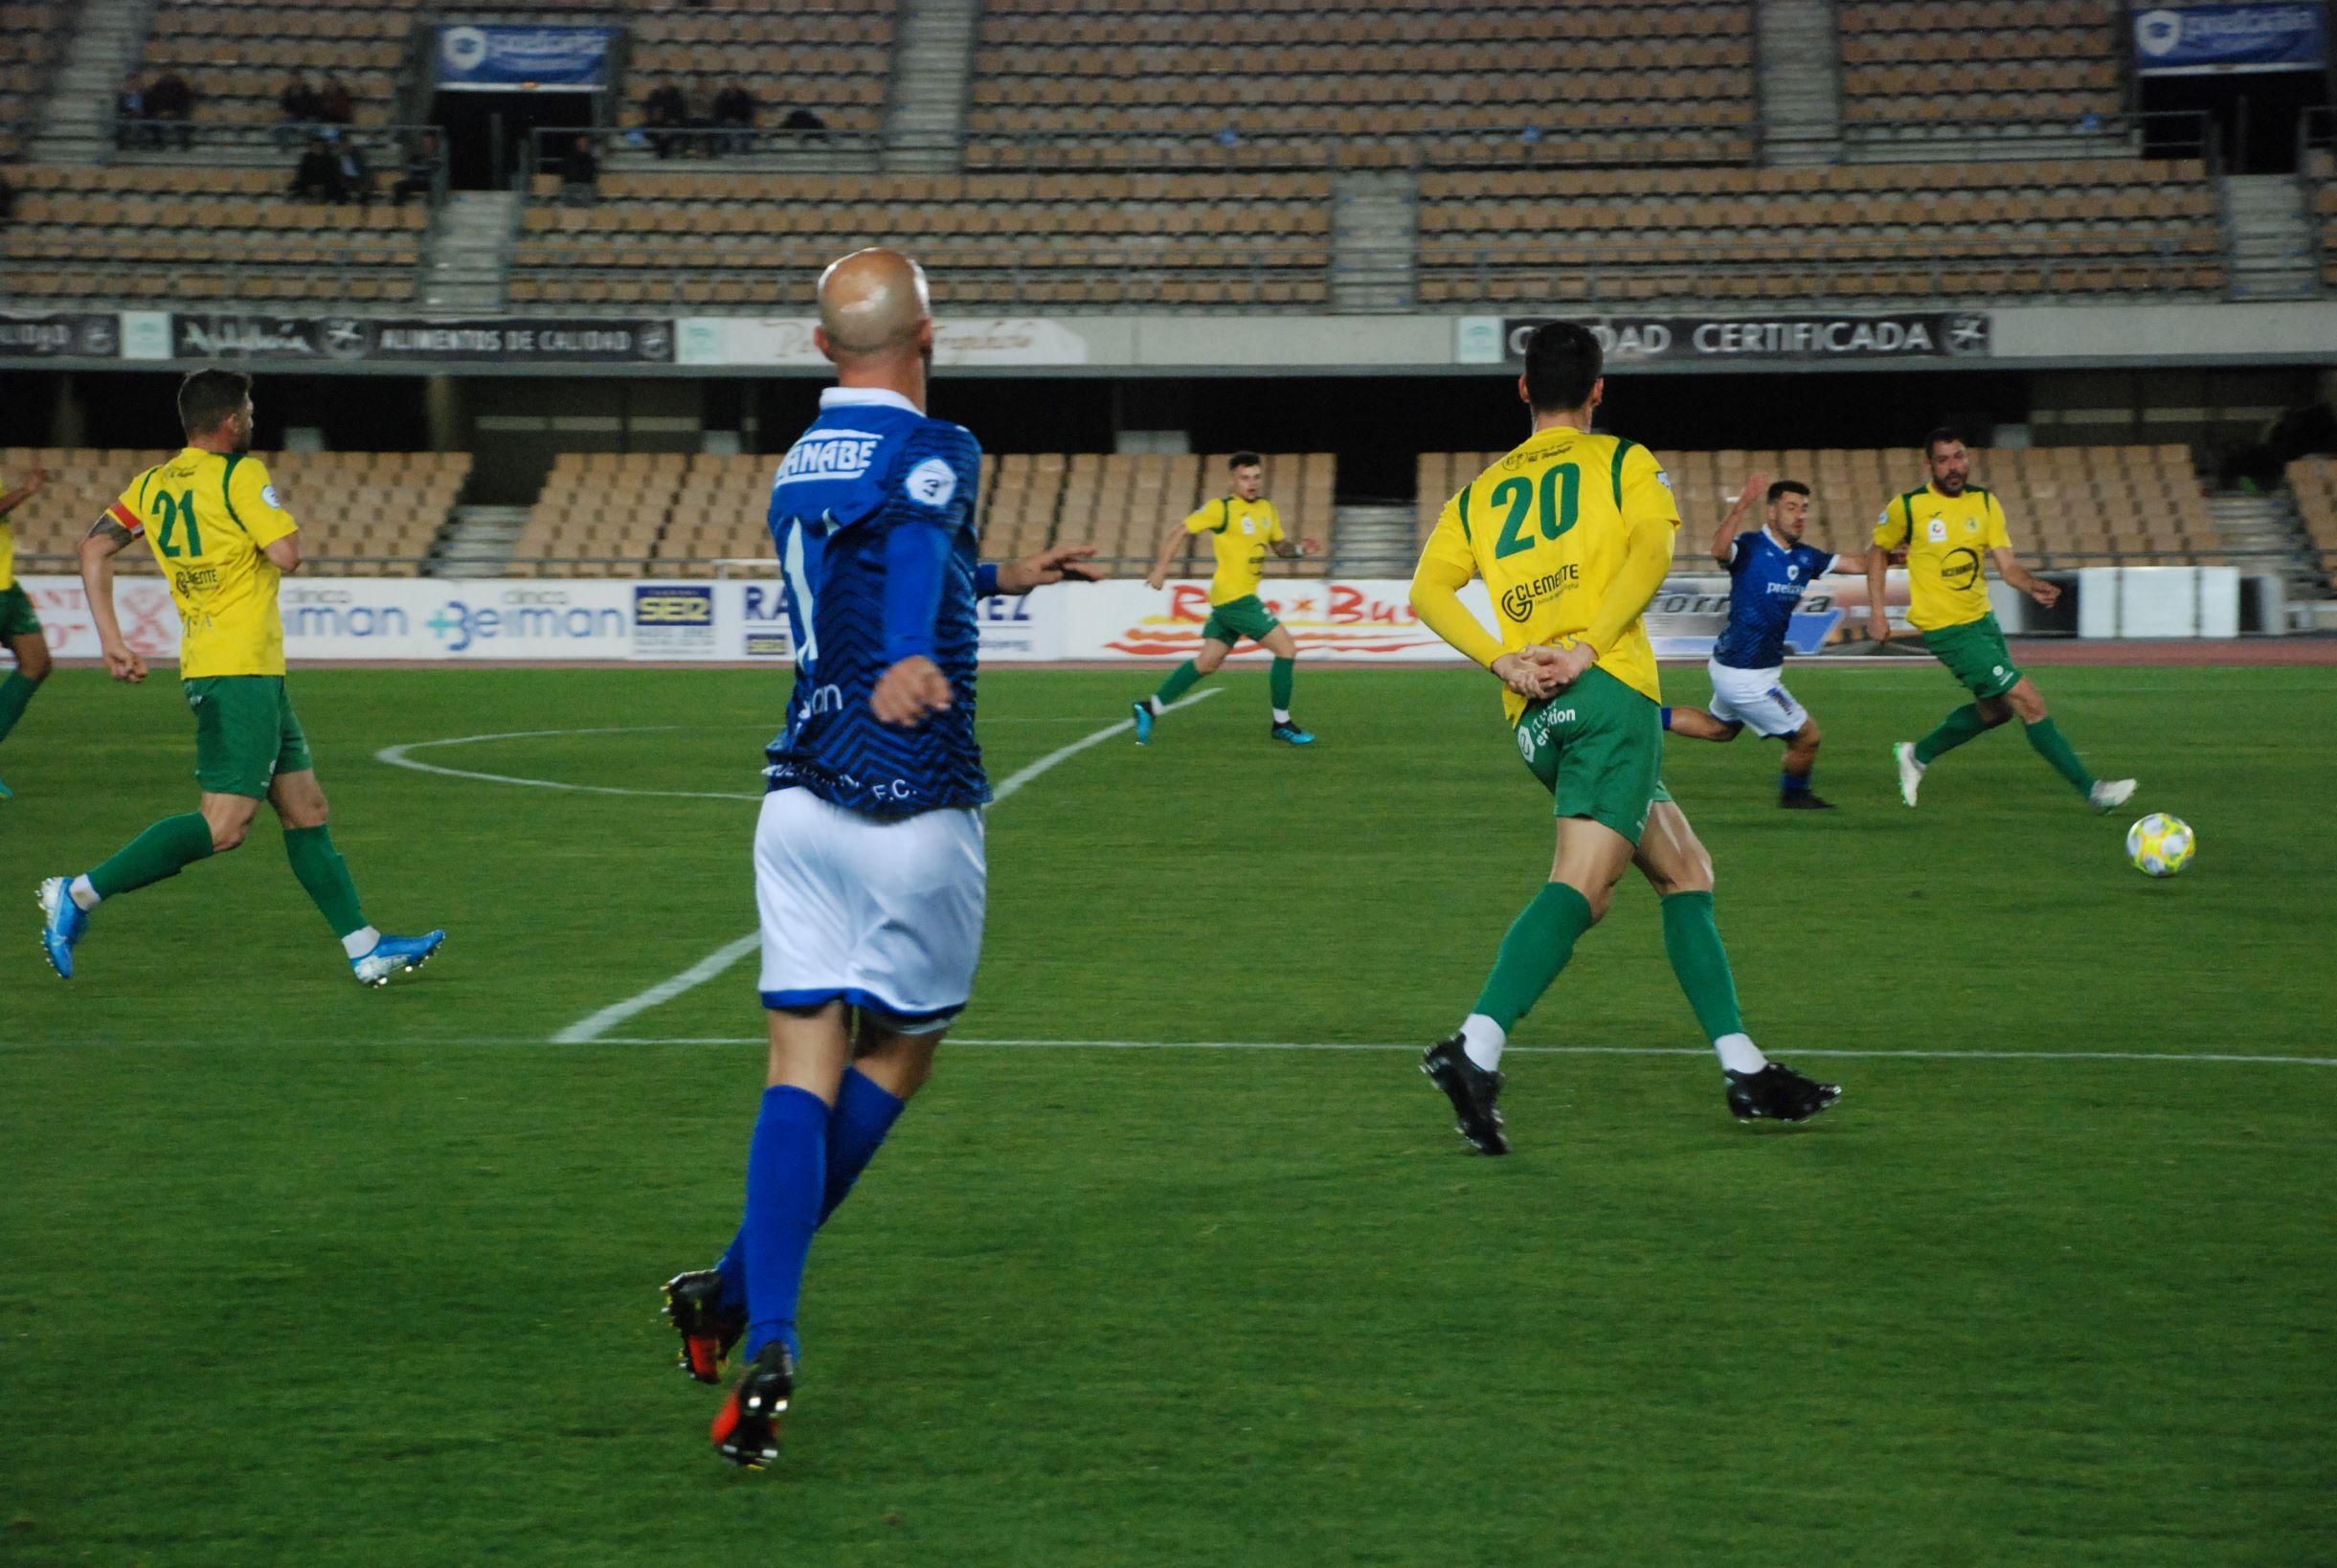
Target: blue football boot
{"points": [[62, 922], [1292, 734], [1145, 723], [394, 955]]}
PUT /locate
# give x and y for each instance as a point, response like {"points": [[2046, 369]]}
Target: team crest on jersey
{"points": [[1936, 530], [1663, 479], [267, 493], [1249, 525], [932, 481], [829, 455]]}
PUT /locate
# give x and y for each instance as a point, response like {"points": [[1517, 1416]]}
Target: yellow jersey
{"points": [[1948, 540], [1545, 528], [1240, 533], [210, 518]]}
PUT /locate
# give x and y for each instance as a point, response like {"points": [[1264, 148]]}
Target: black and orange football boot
{"points": [[694, 1302], [746, 1430]]}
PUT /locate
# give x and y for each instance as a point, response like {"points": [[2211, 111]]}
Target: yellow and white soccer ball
{"points": [[2160, 845]]}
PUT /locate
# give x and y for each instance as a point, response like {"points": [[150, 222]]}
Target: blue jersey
{"points": [[871, 465], [1768, 580]]}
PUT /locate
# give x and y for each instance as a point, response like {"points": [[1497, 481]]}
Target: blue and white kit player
{"points": [[1769, 569], [868, 864]]}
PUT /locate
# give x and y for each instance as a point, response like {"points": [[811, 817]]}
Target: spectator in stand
{"points": [[734, 112], [666, 113], [356, 175], [806, 123], [334, 106], [580, 173], [130, 120], [318, 178], [419, 175], [170, 103], [302, 108]]}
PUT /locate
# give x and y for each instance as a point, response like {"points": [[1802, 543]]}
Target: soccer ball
{"points": [[2160, 845]]}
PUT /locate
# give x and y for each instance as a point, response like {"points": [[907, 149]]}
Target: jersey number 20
{"points": [[178, 509], [1561, 506]]}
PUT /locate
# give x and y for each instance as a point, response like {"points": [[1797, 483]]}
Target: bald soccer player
{"points": [[869, 866]]}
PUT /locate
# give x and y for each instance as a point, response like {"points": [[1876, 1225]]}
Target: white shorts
{"points": [[1755, 699], [881, 913]]}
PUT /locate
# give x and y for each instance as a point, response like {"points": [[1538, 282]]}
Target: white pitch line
{"points": [[396, 757], [587, 1030], [1541, 1051]]}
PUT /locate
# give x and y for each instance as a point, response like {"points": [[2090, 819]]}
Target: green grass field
{"points": [[291, 1272]]}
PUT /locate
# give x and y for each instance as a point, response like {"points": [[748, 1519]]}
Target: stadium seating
{"points": [[601, 513], [361, 513], [30, 40], [2313, 480], [833, 59], [1062, 83], [2035, 61], [237, 57], [125, 232], [1856, 233], [2066, 506], [1065, 241]]}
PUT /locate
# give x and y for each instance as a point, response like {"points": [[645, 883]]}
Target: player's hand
{"points": [[1310, 547], [1569, 664], [1756, 488], [1524, 674], [122, 664], [910, 692], [2047, 594], [1879, 626], [1062, 563], [1157, 581], [40, 478]]}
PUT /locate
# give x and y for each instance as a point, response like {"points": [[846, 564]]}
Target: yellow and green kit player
{"points": [[1950, 528], [224, 540], [20, 623], [1242, 526], [1572, 533]]}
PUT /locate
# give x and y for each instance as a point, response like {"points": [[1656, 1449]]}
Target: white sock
{"points": [[1739, 1053], [1482, 1040], [361, 941], [1155, 705], [86, 897], [1282, 715]]}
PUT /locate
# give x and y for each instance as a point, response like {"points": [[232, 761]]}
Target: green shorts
{"points": [[1598, 748], [17, 616], [244, 733], [1975, 653], [1237, 619]]}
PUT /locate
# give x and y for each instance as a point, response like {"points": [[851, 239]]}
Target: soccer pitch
{"points": [[296, 1271]]}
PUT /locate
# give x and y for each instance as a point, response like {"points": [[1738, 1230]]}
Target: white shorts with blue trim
{"points": [[882, 913], [1755, 699]]}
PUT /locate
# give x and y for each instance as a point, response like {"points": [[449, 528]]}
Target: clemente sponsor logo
{"points": [[1517, 600]]}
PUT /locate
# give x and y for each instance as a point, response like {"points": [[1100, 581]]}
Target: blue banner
{"points": [[2197, 40], [572, 58]]}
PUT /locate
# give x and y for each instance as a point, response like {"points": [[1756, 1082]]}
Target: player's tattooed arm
{"points": [[111, 534], [104, 541]]}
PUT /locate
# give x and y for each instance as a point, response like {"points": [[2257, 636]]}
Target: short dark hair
{"points": [[1945, 432], [1244, 459], [1787, 487], [1562, 362], [206, 398]]}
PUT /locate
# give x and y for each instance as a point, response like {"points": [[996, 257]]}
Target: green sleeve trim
{"points": [[144, 481], [226, 489], [1462, 501], [1225, 515], [1623, 446]]}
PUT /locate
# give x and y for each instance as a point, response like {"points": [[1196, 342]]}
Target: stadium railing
{"points": [[2158, 134], [2317, 177], [760, 148]]}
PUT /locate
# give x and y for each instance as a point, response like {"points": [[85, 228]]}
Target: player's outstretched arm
{"points": [[1171, 541], [2009, 567], [1724, 541], [1058, 564], [105, 540], [1878, 593], [24, 492]]}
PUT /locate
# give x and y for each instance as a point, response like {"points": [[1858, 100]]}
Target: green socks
{"points": [[1285, 675], [1693, 940], [326, 875], [1540, 942], [164, 851], [1963, 724], [1182, 679], [15, 692], [2046, 739]]}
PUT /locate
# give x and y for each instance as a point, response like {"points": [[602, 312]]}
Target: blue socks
{"points": [[1793, 784], [863, 1114], [786, 1178]]}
